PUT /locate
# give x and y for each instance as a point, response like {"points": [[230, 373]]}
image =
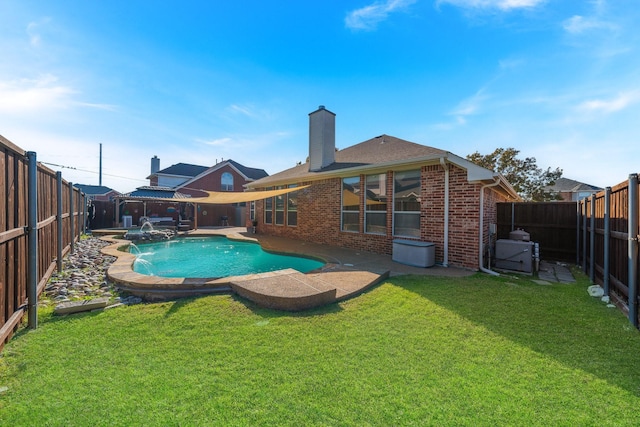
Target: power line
{"points": [[89, 171]]}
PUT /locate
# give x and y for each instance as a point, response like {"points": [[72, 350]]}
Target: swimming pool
{"points": [[215, 256]]}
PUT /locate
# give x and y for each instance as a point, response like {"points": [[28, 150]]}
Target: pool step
{"points": [[291, 290]]}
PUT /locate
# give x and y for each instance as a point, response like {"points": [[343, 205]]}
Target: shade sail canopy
{"points": [[226, 197], [220, 197]]}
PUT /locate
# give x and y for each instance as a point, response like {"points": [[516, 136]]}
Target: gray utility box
{"points": [[411, 252], [515, 255]]}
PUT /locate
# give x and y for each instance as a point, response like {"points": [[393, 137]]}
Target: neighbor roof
{"points": [[569, 185], [378, 155], [251, 173], [182, 169], [94, 190], [150, 192]]}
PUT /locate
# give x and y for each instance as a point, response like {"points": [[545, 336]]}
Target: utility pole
{"points": [[100, 174]]}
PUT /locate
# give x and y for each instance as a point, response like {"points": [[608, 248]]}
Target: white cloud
{"points": [[504, 5], [33, 31], [42, 93], [216, 142], [470, 105], [245, 110], [368, 17], [579, 24], [620, 102]]}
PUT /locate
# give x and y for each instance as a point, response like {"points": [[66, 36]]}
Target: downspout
{"points": [[481, 243], [445, 260]]}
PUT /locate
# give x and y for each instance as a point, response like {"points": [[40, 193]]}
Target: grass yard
{"points": [[413, 351]]}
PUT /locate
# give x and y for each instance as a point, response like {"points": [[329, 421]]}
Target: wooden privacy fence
{"points": [[607, 248], [41, 217], [551, 224]]}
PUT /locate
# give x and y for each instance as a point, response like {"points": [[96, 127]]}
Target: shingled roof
{"points": [[183, 169], [251, 173], [149, 192], [570, 185], [381, 150], [94, 190]]}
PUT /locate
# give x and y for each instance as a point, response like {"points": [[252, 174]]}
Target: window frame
{"points": [[407, 213], [344, 212], [225, 186], [370, 213], [268, 209], [292, 209]]}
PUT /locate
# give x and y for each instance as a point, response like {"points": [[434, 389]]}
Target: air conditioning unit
{"points": [[515, 255]]}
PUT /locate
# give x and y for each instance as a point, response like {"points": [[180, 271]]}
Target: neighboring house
{"points": [[194, 180], [97, 192], [571, 191], [365, 196], [144, 202]]}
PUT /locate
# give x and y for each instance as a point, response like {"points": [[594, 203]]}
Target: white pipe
{"points": [[481, 242], [445, 261]]}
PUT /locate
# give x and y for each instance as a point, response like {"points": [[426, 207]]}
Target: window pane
{"points": [[351, 194], [226, 182], [376, 204], [292, 207], [350, 221], [268, 209], [406, 224], [351, 204], [292, 218], [376, 222], [406, 203], [279, 208], [406, 191]]}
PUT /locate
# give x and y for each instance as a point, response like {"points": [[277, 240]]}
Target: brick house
{"points": [[192, 180], [365, 196]]}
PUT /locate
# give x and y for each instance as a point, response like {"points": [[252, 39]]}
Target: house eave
{"points": [[475, 173]]}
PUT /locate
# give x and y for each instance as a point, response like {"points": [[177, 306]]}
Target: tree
{"points": [[525, 176]]}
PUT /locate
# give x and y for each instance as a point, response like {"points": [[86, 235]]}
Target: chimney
{"points": [[322, 138], [155, 164]]}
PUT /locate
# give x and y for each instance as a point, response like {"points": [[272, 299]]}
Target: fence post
{"points": [[584, 235], [84, 213], [72, 209], [578, 215], [59, 221], [607, 236], [633, 249], [592, 241], [32, 243]]}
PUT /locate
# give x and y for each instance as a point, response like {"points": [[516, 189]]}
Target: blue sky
{"points": [[198, 81]]}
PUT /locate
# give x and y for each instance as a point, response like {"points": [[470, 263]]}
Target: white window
{"points": [[226, 182]]}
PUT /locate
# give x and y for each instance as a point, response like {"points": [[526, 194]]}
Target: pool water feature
{"points": [[209, 257]]}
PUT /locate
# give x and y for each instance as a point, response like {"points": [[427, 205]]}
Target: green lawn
{"points": [[413, 351]]}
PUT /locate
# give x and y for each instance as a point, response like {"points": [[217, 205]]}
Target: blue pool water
{"points": [[203, 257]]}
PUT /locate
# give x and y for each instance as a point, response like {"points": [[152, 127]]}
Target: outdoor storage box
{"points": [[411, 252], [127, 221]]}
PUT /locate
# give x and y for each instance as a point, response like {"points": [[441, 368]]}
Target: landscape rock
{"points": [[83, 274], [595, 291]]}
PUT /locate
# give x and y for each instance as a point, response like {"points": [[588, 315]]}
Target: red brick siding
{"points": [[319, 210]]}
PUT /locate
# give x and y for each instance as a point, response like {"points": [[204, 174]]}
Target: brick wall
{"points": [[319, 210]]}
